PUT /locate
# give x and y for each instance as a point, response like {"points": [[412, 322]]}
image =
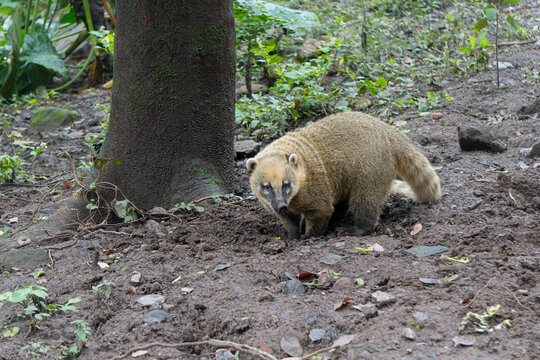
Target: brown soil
{"points": [[489, 213]]}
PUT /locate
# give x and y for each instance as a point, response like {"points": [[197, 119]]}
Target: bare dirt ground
{"points": [[488, 217]]}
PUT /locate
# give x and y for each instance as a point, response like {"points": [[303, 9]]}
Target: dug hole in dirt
{"points": [[228, 274]]}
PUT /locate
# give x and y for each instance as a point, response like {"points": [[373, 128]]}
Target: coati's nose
{"points": [[282, 208]]}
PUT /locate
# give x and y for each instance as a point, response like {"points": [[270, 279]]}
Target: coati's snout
{"points": [[273, 180]]}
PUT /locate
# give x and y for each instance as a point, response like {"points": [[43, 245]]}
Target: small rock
{"points": [[471, 138], [224, 354], [291, 346], [420, 317], [221, 267], [343, 283], [436, 115], [331, 259], [535, 151], [25, 258], [48, 118], [292, 287], [312, 320], [154, 227], [325, 281], [464, 340], [246, 148], [256, 88], [381, 298], [409, 334], [521, 165], [310, 49], [525, 151], [156, 316], [369, 310], [504, 65], [135, 278], [152, 299], [423, 251], [318, 335], [498, 146]]}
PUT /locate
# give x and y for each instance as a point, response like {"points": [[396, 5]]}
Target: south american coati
{"points": [[348, 158]]}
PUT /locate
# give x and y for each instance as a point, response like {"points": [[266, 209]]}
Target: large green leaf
{"points": [[38, 49], [289, 18]]}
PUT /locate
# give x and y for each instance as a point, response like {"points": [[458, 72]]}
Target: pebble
{"points": [[464, 340], [331, 259], [316, 335], [521, 165], [409, 334], [343, 283], [136, 278], [368, 310], [152, 299], [291, 346], [312, 320], [292, 287], [325, 280], [246, 148], [381, 298], [156, 316]]}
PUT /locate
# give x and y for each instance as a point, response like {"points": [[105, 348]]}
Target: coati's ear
{"points": [[293, 160], [251, 164]]}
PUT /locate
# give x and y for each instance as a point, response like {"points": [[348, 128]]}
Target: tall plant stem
{"points": [[27, 17], [34, 19], [49, 3], [497, 47]]}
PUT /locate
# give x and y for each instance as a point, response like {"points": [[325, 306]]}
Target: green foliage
{"points": [[10, 168], [105, 40], [188, 208], [125, 210], [34, 301], [103, 289], [34, 349], [82, 333], [27, 54]]}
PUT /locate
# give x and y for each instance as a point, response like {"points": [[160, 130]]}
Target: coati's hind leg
{"points": [[366, 211], [293, 224]]}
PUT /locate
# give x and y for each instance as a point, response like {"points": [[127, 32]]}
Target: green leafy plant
{"points": [[10, 168], [103, 289], [34, 301], [34, 349], [257, 46], [82, 333]]}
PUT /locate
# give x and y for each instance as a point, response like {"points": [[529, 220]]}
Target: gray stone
{"points": [[256, 88], [135, 278], [325, 281], [310, 49], [246, 148], [525, 151], [464, 340], [423, 251], [312, 320], [291, 346], [504, 65], [152, 299], [420, 317], [409, 334], [156, 316], [25, 258], [331, 259], [471, 138], [381, 298], [292, 287], [521, 165], [535, 151], [316, 335], [49, 118], [368, 310], [343, 283]]}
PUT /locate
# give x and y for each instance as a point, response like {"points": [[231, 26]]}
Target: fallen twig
{"points": [[242, 347]]}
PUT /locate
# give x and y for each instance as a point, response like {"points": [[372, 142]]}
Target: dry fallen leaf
{"points": [[340, 304], [186, 290], [139, 353], [343, 340], [400, 122], [416, 229], [13, 220], [103, 265]]}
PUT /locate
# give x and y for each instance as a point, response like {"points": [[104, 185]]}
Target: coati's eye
{"points": [[286, 185], [266, 186]]}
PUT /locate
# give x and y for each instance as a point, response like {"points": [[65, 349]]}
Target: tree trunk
{"points": [[172, 117]]}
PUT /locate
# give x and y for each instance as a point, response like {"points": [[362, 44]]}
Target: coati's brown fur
{"points": [[348, 158]]}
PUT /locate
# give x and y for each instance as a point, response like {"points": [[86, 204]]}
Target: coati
{"points": [[348, 158]]}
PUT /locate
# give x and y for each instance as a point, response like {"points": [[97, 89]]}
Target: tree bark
{"points": [[172, 117]]}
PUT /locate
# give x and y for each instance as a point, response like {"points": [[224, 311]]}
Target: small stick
{"points": [[242, 347]]}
